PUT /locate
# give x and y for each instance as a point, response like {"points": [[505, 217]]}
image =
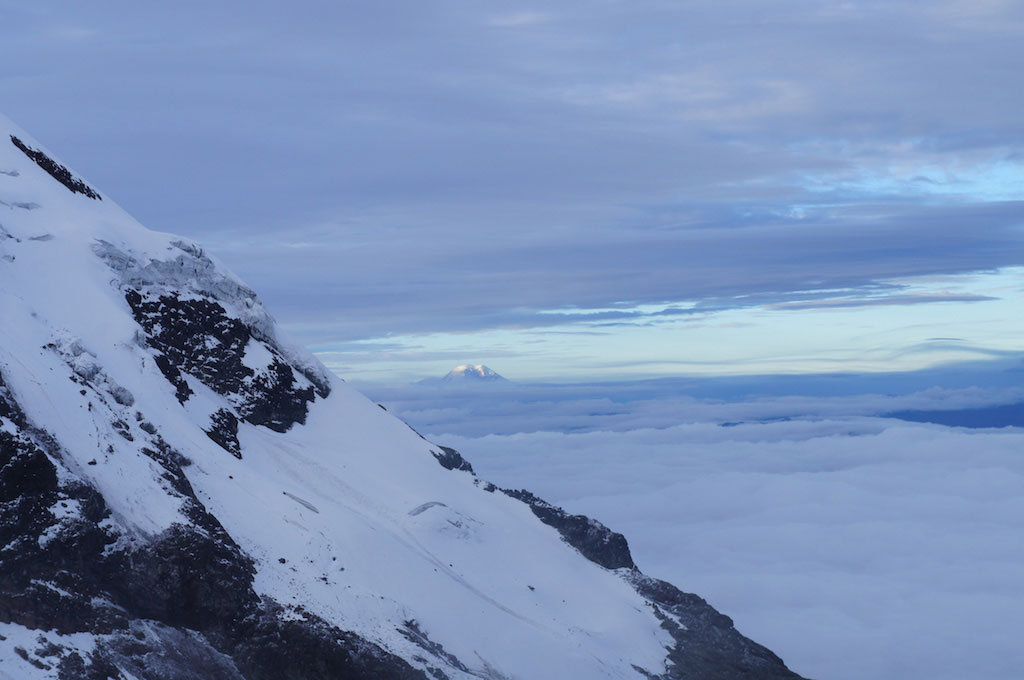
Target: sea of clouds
{"points": [[852, 544]]}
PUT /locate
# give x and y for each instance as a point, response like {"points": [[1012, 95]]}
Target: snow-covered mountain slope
{"points": [[185, 494]]}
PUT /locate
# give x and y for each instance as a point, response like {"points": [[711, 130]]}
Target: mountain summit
{"points": [[184, 493], [471, 373]]}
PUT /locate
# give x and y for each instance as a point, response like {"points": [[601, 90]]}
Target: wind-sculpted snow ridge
{"points": [[185, 494]]}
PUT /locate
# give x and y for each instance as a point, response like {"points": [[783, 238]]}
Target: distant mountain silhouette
{"points": [[467, 374]]}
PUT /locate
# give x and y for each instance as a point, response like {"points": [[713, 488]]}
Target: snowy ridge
{"points": [[184, 491]]}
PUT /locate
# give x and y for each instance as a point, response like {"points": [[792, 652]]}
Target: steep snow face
{"points": [[234, 493]]}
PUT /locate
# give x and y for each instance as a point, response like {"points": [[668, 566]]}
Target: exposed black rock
{"points": [[224, 430], [152, 651], [592, 539], [412, 632], [45, 557], [185, 578], [181, 389], [97, 666], [172, 461], [199, 337], [274, 399], [707, 647], [56, 170], [272, 649], [450, 459]]}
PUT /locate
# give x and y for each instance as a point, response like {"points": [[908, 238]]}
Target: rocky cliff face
{"points": [[184, 494]]}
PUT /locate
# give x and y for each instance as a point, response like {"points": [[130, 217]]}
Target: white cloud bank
{"points": [[853, 546]]}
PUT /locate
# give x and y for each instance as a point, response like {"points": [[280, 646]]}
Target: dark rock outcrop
{"points": [[56, 170], [224, 430], [450, 459], [707, 645], [199, 337], [592, 539]]}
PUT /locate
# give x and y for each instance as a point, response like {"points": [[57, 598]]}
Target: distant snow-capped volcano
{"points": [[467, 376], [471, 372]]}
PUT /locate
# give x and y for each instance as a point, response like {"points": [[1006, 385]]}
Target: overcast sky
{"points": [[569, 189]]}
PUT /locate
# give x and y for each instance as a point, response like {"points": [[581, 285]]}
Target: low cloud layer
{"points": [[854, 546]]}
